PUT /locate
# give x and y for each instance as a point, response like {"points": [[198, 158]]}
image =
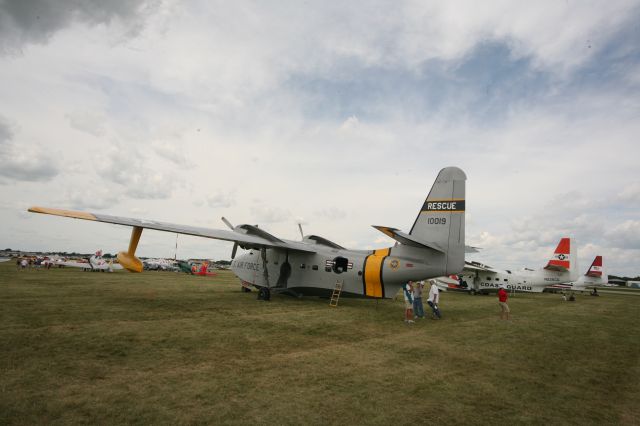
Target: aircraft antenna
{"points": [[300, 228]]}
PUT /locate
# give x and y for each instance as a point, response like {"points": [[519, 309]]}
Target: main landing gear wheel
{"points": [[264, 294]]}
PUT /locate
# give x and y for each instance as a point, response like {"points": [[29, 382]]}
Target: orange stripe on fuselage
{"points": [[373, 272]]}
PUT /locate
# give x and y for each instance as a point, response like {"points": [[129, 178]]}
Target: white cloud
{"points": [[22, 161], [221, 200], [127, 168], [342, 113], [87, 122]]}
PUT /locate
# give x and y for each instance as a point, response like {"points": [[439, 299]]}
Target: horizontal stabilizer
{"points": [[407, 239], [556, 268]]}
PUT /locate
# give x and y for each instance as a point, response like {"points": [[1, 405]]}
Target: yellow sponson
{"points": [[60, 212], [130, 262]]}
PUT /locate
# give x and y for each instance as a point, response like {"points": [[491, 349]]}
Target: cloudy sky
{"points": [[338, 115]]}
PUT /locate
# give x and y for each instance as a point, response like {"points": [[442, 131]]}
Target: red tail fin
{"points": [[562, 256], [596, 268]]}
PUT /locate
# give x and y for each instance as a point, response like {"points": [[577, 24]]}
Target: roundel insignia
{"points": [[394, 264], [562, 257]]}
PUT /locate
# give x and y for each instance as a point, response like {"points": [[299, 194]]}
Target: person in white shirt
{"points": [[433, 300]]}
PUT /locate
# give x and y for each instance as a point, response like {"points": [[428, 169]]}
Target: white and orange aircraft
{"points": [[594, 277], [479, 278]]}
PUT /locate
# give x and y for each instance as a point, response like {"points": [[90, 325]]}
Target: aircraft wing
{"points": [[74, 264], [247, 236], [477, 266]]}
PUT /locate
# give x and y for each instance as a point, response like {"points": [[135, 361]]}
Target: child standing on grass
{"points": [[407, 290]]}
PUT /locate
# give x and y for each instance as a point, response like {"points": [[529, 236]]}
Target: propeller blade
{"points": [[300, 228], [226, 222], [235, 249]]}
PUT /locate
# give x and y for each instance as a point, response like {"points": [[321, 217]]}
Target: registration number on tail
{"points": [[437, 221]]}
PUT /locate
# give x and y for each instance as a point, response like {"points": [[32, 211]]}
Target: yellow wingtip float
{"points": [[127, 259]]}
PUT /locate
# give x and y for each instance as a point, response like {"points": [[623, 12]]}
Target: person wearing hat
{"points": [[505, 313]]}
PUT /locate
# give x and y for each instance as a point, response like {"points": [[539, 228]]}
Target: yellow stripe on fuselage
{"points": [[373, 272]]}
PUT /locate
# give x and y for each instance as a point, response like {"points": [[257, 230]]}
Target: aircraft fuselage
{"points": [[528, 281], [375, 274]]}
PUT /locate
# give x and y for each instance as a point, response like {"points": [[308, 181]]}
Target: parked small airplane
{"points": [[435, 246], [594, 277], [203, 270], [477, 277], [159, 265], [94, 263]]}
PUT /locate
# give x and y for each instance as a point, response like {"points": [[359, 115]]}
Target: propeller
{"points": [[235, 245], [300, 228]]}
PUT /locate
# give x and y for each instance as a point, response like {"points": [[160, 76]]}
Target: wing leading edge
{"points": [[247, 236]]}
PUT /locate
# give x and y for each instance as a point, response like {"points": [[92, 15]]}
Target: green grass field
{"points": [[167, 348]]}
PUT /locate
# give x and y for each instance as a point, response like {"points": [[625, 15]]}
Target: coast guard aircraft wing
{"points": [[434, 246]]}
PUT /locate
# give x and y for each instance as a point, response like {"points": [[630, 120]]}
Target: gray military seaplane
{"points": [[315, 266]]}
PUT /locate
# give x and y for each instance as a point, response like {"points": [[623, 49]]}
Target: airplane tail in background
{"points": [[595, 270], [440, 222], [565, 258]]}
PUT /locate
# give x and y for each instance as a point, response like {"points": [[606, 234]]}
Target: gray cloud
{"points": [[5, 131], [23, 162], [127, 168], [35, 21], [97, 196]]}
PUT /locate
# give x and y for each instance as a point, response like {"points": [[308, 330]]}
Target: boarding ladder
{"points": [[335, 296]]}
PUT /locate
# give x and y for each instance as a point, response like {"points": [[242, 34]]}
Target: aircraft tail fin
{"points": [[564, 257], [595, 270], [440, 221]]}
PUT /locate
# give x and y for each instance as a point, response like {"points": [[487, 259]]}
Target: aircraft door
{"points": [[340, 264], [475, 280], [284, 269]]}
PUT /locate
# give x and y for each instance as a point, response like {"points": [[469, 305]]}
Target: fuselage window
{"points": [[302, 266], [505, 279], [497, 279], [314, 267]]}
